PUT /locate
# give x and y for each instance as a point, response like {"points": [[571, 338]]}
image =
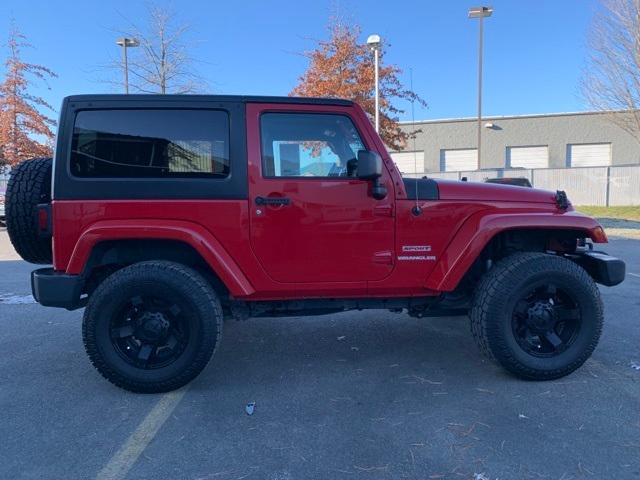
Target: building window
{"points": [[458, 160], [409, 162], [150, 143], [588, 154], [308, 145], [528, 157]]}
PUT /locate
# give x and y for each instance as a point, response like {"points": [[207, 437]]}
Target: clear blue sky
{"points": [[534, 50]]}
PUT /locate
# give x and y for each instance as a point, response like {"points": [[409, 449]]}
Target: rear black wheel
{"points": [[151, 332], [540, 316], [152, 326]]}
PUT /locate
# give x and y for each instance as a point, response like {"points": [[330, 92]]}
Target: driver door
{"points": [[310, 221]]}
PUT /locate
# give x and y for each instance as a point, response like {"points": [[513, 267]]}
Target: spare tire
{"points": [[28, 186]]}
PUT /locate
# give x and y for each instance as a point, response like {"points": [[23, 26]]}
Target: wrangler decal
{"points": [[416, 258]]}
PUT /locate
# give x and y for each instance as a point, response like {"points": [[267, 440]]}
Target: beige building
{"points": [[582, 139]]}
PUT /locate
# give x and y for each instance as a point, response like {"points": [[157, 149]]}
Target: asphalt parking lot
{"points": [[371, 395]]}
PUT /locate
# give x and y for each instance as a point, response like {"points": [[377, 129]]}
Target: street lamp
{"points": [[374, 44], [480, 13], [126, 43]]}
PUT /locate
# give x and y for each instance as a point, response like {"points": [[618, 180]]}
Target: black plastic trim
{"points": [[209, 98], [603, 268], [562, 201], [427, 188], [54, 289]]}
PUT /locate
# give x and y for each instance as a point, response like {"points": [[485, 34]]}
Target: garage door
{"points": [[459, 160], [589, 154], [528, 157], [409, 162]]}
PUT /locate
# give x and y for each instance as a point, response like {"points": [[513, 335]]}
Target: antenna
{"points": [[416, 210]]}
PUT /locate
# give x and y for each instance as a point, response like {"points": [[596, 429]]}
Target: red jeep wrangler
{"points": [[165, 215]]}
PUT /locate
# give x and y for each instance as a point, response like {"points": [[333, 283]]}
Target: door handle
{"points": [[272, 201]]}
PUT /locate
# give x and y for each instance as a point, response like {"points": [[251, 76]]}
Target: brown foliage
{"points": [[24, 131], [344, 68]]}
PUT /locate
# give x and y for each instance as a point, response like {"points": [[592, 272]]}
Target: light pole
{"points": [[374, 44], [480, 13], [126, 43]]}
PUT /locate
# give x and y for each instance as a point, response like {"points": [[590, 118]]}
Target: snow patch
{"points": [[11, 299]]}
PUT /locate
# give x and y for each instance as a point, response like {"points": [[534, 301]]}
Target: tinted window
{"points": [[308, 145], [150, 143]]}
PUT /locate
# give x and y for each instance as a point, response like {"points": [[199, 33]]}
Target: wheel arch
{"points": [[490, 236], [130, 241]]}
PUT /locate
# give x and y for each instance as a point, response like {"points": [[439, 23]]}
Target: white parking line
{"points": [[634, 274], [128, 453]]}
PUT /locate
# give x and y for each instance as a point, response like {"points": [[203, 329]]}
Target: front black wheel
{"points": [[152, 327], [540, 316]]}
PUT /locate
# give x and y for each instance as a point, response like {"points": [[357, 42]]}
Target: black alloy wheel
{"points": [[152, 326], [546, 320], [538, 315], [150, 332]]}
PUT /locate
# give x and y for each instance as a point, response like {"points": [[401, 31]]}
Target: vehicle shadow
{"points": [[346, 350]]}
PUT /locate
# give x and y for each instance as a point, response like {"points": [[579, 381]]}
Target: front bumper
{"points": [[604, 269], [55, 289]]}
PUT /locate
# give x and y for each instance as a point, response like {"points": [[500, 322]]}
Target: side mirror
{"points": [[370, 168], [369, 165]]}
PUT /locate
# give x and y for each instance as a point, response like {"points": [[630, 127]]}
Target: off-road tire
{"points": [[166, 279], [491, 313], [28, 186]]}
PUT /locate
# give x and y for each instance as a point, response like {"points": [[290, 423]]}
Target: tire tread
{"points": [[211, 330], [29, 185], [497, 285]]}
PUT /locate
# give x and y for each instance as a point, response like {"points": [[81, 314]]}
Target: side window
{"points": [[150, 143], [308, 145]]}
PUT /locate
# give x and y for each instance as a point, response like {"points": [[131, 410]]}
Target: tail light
{"points": [[44, 220]]}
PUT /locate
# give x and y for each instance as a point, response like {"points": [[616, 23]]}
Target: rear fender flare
{"points": [[190, 233], [480, 228]]}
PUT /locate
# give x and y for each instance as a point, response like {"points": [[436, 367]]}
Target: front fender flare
{"points": [[480, 228], [188, 232]]}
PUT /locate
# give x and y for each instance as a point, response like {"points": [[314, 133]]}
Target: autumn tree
{"points": [[162, 63], [343, 67], [25, 132], [611, 79]]}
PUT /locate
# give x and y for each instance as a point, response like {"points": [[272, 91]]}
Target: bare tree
{"points": [[611, 80], [162, 63]]}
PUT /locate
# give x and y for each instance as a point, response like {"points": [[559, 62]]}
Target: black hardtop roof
{"points": [[209, 98]]}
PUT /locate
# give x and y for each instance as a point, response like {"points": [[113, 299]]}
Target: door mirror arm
{"points": [[378, 189], [369, 167]]}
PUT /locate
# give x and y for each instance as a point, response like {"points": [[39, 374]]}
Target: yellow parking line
{"points": [[120, 464]]}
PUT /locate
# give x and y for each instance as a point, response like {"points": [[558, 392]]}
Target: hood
{"points": [[458, 190]]}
